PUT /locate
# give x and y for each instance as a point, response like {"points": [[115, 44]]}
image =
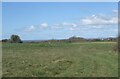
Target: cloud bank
{"points": [[97, 21]]}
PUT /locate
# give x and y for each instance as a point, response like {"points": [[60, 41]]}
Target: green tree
{"points": [[15, 39]]}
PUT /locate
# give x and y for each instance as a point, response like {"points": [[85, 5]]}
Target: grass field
{"points": [[88, 59]]}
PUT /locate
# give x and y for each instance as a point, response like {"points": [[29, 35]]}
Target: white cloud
{"points": [[29, 29], [97, 27], [69, 24], [93, 21], [72, 29], [115, 11], [99, 20], [111, 36], [56, 26], [74, 25], [66, 24], [44, 25]]}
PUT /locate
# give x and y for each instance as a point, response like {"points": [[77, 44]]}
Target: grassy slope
{"points": [[59, 59]]}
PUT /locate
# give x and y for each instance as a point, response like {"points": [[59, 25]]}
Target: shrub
{"points": [[15, 39]]}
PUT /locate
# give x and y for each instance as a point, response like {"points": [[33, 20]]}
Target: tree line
{"points": [[17, 39]]}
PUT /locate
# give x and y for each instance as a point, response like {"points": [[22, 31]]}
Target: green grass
{"points": [[88, 59]]}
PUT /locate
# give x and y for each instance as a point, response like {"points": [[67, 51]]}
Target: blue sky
{"points": [[59, 20]]}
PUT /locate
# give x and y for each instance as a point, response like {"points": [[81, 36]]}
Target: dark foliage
{"points": [[5, 40], [15, 39]]}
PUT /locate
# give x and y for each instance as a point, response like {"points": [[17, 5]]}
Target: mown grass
{"points": [[88, 59]]}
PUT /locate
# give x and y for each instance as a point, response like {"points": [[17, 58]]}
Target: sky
{"points": [[60, 0], [59, 20]]}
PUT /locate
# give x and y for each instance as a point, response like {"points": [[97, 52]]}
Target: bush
{"points": [[15, 39], [5, 40]]}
